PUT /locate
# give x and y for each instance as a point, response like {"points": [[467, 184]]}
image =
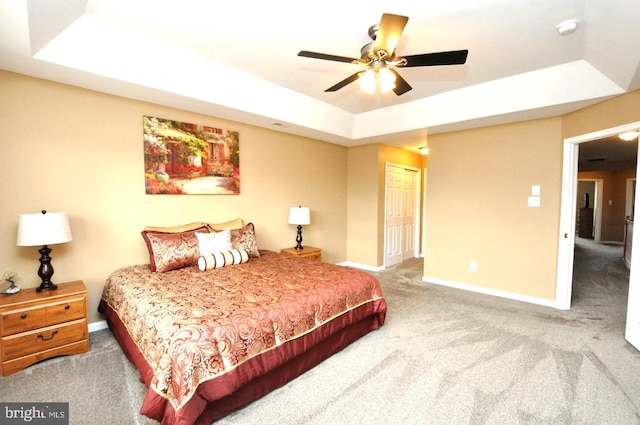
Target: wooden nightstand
{"points": [[35, 326], [308, 252]]}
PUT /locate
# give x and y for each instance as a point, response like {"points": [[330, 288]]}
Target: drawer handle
{"points": [[67, 307], [47, 339], [23, 316]]}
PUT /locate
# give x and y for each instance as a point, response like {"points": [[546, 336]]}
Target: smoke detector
{"points": [[568, 27]]}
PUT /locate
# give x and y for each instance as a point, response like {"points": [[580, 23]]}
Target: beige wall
{"points": [[362, 201], [476, 207], [79, 151], [477, 189], [620, 110], [366, 195]]}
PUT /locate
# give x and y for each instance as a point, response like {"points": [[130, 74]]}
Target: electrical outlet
{"points": [[473, 266]]}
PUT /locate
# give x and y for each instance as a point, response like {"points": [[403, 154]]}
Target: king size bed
{"points": [[211, 334]]}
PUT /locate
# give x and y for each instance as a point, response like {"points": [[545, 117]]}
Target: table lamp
{"points": [[300, 216], [44, 229]]}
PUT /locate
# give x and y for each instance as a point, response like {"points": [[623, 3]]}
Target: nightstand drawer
{"points": [[35, 326], [23, 320], [66, 311], [43, 339]]}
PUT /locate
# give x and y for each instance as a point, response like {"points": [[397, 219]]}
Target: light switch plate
{"points": [[534, 201]]}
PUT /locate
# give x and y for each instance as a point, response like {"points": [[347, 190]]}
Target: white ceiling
{"points": [[238, 60]]}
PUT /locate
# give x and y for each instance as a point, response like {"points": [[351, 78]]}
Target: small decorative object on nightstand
{"points": [[307, 252], [35, 326], [9, 276]]}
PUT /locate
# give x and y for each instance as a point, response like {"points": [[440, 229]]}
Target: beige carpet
{"points": [[444, 356]]}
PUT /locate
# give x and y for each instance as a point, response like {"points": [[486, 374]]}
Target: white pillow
{"points": [[209, 243], [223, 259]]}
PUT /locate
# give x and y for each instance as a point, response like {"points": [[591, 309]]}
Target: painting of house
{"points": [[183, 158]]}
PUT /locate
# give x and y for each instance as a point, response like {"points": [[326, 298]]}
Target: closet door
{"points": [[409, 213], [401, 206], [394, 221]]}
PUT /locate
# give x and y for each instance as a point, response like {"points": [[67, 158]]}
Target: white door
{"points": [[393, 215], [409, 214], [596, 204], [401, 206], [632, 330], [566, 236]]}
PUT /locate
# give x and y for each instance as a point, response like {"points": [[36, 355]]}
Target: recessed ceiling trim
{"points": [[254, 77], [571, 82]]}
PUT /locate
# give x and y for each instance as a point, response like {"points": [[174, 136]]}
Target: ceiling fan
{"points": [[380, 57]]}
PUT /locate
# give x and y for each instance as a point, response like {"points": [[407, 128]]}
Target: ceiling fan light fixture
{"points": [[382, 54], [374, 76], [367, 81], [628, 136], [387, 80]]}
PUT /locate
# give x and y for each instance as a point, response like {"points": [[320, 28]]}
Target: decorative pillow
{"points": [[233, 224], [219, 259], [214, 242], [245, 238], [175, 229], [170, 251]]}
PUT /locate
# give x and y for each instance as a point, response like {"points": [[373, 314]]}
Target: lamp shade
{"points": [[299, 216], [43, 228]]}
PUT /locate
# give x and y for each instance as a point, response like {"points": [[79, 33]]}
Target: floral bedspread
{"points": [[194, 326]]}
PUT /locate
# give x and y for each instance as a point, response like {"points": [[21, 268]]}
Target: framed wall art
{"points": [[190, 159]]}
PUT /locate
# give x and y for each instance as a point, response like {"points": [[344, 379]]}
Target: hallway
{"points": [[600, 284]]}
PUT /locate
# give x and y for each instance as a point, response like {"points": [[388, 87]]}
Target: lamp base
{"points": [[46, 270], [46, 287], [299, 238]]}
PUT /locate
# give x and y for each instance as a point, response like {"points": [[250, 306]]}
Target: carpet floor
{"points": [[444, 356]]}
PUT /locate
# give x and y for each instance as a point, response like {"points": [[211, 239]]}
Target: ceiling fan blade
{"points": [[454, 57], [324, 56], [350, 79], [401, 84], [389, 32]]}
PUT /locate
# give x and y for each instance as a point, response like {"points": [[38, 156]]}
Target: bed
{"points": [[209, 337]]}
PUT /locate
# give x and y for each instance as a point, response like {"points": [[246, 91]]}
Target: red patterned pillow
{"points": [[171, 251], [245, 238]]}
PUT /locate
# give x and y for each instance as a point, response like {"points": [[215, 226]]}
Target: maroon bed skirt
{"points": [[237, 388]]}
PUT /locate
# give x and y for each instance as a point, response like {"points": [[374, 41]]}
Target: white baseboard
{"points": [[98, 326], [361, 266], [492, 292]]}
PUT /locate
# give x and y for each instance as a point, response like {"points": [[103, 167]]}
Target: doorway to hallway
{"points": [[567, 237]]}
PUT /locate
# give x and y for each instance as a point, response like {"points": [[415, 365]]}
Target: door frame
{"points": [[630, 190], [418, 210], [597, 207], [566, 236]]}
